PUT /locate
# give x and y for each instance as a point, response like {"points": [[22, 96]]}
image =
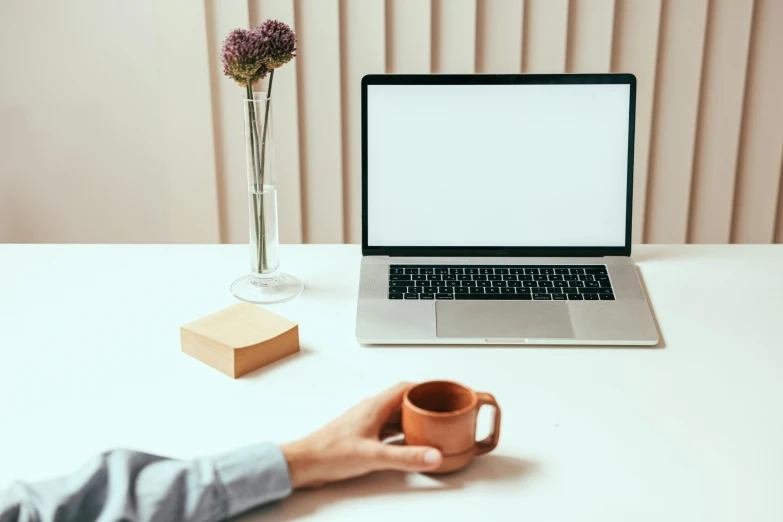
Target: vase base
{"points": [[285, 288]]}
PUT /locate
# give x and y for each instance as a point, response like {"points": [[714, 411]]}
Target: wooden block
{"points": [[240, 339]]}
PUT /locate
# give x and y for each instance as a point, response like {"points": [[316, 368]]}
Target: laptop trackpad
{"points": [[503, 320]]}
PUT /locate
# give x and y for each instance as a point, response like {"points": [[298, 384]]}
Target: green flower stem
{"points": [[258, 203], [266, 121], [265, 131]]}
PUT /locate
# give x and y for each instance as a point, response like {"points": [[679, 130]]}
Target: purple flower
{"points": [[279, 41], [244, 55]]}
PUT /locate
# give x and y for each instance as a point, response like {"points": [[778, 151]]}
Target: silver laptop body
{"points": [[496, 209]]}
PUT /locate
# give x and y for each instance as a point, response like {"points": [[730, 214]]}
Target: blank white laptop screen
{"points": [[497, 165]]}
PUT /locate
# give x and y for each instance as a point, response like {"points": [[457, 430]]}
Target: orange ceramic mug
{"points": [[443, 414]]}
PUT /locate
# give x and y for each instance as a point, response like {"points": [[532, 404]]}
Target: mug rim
{"points": [[408, 403]]}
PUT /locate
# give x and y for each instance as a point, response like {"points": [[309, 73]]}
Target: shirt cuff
{"points": [[253, 476]]}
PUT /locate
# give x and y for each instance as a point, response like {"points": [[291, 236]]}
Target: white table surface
{"points": [[690, 430]]}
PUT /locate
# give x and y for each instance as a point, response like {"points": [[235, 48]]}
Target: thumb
{"points": [[407, 458]]}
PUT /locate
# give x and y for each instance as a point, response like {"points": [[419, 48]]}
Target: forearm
{"points": [[128, 485]]}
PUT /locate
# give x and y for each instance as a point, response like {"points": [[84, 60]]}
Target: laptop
{"points": [[496, 209]]}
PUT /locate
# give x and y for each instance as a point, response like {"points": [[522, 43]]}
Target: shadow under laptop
{"points": [[485, 347], [661, 340], [495, 468]]}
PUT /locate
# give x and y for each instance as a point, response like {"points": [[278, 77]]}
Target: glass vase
{"points": [[265, 284]]}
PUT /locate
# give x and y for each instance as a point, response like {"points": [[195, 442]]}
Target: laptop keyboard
{"points": [[501, 282]]}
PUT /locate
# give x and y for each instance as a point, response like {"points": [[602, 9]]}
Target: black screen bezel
{"points": [[500, 79]]}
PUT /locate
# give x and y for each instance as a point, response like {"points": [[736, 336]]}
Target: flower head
{"points": [[279, 41], [244, 55]]}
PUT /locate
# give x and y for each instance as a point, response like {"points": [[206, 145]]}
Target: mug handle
{"points": [[491, 442]]}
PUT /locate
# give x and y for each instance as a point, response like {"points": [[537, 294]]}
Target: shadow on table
{"points": [[304, 351], [321, 290], [661, 340], [495, 468]]}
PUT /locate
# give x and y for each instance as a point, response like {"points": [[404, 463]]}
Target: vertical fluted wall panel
{"points": [[222, 18], [720, 119], [285, 126], [363, 51], [545, 45], [758, 200], [635, 50], [678, 84], [408, 36], [320, 120], [709, 124], [499, 36], [454, 36], [590, 31]]}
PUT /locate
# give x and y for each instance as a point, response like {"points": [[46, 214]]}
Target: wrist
{"points": [[302, 464]]}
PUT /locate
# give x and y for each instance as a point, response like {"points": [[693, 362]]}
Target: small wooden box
{"points": [[240, 339]]}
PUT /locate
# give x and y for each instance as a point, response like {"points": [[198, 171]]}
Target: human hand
{"points": [[351, 445]]}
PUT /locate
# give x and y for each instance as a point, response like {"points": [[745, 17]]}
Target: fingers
{"points": [[395, 417], [390, 428], [385, 404], [392, 425], [405, 458], [391, 397]]}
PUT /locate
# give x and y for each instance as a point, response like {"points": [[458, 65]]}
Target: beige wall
{"points": [[105, 123], [116, 124]]}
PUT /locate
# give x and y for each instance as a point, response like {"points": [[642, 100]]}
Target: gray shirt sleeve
{"points": [[135, 486]]}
